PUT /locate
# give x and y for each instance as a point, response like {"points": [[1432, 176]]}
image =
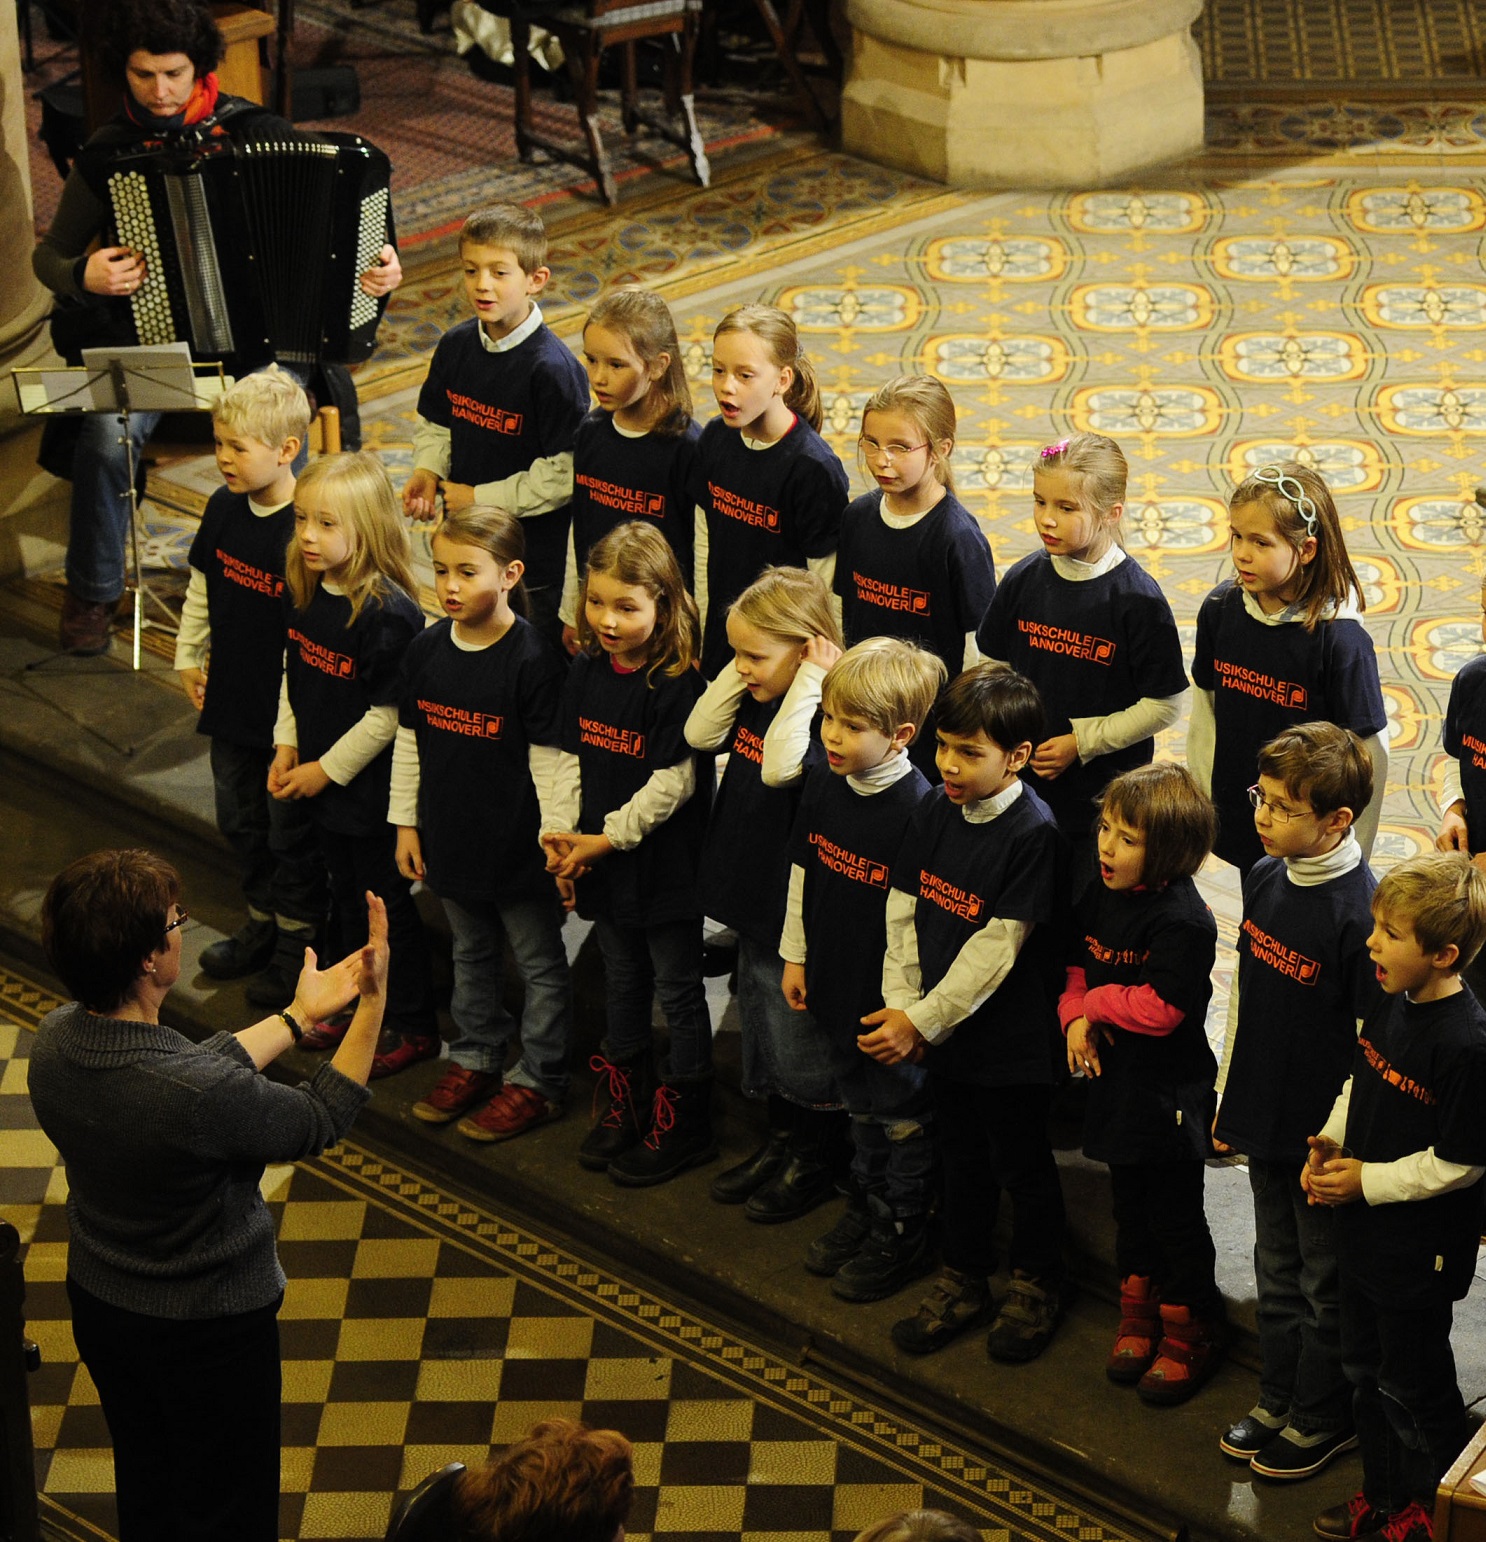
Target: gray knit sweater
{"points": [[165, 1142]]}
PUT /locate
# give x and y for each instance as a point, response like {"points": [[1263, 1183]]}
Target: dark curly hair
{"points": [[162, 27]]}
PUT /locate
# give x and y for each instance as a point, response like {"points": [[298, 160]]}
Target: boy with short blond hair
{"points": [[854, 812], [1402, 1154], [502, 401], [230, 654]]}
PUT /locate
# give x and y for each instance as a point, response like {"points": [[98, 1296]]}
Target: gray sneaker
{"points": [[1024, 1327], [956, 1303]]}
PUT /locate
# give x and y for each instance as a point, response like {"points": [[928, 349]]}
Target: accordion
{"points": [[254, 251]]}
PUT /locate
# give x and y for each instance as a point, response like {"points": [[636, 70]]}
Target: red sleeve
{"points": [[1135, 1008], [1071, 1002]]}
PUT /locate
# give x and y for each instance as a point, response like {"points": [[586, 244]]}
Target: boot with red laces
{"points": [[621, 1110], [680, 1137]]}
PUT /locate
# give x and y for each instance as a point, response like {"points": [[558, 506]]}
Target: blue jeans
{"points": [[664, 963], [1299, 1324], [483, 1025], [778, 1057], [894, 1156]]}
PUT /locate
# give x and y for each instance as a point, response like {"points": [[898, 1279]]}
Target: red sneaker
{"points": [[512, 1111], [1412, 1524], [1190, 1350], [454, 1092], [325, 1035], [397, 1051]]}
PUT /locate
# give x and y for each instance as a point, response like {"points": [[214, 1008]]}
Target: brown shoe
{"points": [[455, 1091], [512, 1111], [84, 628]]}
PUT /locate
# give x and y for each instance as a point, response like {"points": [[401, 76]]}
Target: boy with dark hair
{"points": [[1303, 981], [854, 812], [502, 401], [234, 612], [1406, 1139], [970, 984]]}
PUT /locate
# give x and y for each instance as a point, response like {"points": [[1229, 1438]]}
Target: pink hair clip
{"points": [[1049, 450]]}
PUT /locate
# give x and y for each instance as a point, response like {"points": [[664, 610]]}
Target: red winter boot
{"points": [[1139, 1331], [1190, 1350]]}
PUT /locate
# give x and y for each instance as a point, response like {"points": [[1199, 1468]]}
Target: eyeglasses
{"points": [[1279, 815], [888, 452], [1289, 488], [180, 920]]}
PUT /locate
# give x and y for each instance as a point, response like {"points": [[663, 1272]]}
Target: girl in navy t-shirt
{"points": [[771, 490], [1280, 643], [1084, 621], [351, 614], [635, 454], [761, 709], [477, 746], [629, 811], [1134, 1011]]}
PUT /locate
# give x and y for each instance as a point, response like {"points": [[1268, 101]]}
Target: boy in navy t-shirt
{"points": [[854, 812], [1463, 796], [234, 612], [1402, 1155], [970, 983], [1304, 980], [502, 401]]}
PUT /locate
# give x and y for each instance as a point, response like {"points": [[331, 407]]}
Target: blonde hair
{"points": [[777, 333], [1442, 896], [494, 531], [919, 1526], [637, 553], [926, 400], [357, 490], [645, 321], [1097, 461], [510, 225], [268, 405], [788, 602], [886, 682], [1328, 581]]}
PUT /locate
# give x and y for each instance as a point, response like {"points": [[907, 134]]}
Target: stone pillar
{"points": [[998, 93], [33, 505]]}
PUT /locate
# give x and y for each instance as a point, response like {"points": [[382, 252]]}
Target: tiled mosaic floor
{"points": [[419, 1329]]}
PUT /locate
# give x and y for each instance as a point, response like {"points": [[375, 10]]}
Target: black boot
{"points": [[621, 1110], [680, 1137], [895, 1253], [844, 1240], [246, 951], [735, 1184], [807, 1178], [275, 986]]}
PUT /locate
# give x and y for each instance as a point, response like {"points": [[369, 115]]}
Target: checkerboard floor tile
{"points": [[420, 1329]]}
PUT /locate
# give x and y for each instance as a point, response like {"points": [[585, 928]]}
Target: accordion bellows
{"points": [[254, 251]]}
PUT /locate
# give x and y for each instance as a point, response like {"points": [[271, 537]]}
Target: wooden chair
{"points": [[585, 30], [425, 1515]]}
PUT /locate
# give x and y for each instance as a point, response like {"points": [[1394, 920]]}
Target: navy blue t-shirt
{"points": [[847, 843], [241, 556], [1267, 678], [774, 507], [623, 726], [475, 714], [1304, 979], [337, 670], [929, 583], [1465, 739], [745, 865], [504, 411], [619, 477], [1091, 647], [961, 875], [1153, 1098], [1418, 1080]]}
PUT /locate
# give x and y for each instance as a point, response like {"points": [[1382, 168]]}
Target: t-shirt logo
{"points": [[1477, 750], [246, 576], [326, 660], [734, 506], [877, 591], [1270, 950], [1392, 1075], [1254, 682], [957, 901], [623, 500], [495, 420], [847, 863], [1117, 957], [749, 745], [460, 720], [1071, 644], [604, 736]]}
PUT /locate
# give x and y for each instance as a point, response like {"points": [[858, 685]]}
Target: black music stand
{"points": [[120, 381]]}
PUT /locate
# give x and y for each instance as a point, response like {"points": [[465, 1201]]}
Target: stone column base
{"points": [[995, 93]]}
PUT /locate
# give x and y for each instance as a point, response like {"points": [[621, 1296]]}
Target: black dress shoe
{"points": [[738, 1183], [797, 1188]]}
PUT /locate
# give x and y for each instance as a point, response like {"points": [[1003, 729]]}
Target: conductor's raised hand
{"points": [[114, 270], [384, 275], [371, 969]]}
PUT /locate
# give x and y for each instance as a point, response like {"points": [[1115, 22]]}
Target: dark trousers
{"points": [[1161, 1231], [274, 839], [661, 963], [993, 1139], [193, 1413], [357, 863], [1410, 1418]]}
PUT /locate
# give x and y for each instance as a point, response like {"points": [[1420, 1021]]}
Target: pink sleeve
{"points": [[1071, 1002], [1135, 1008]]}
